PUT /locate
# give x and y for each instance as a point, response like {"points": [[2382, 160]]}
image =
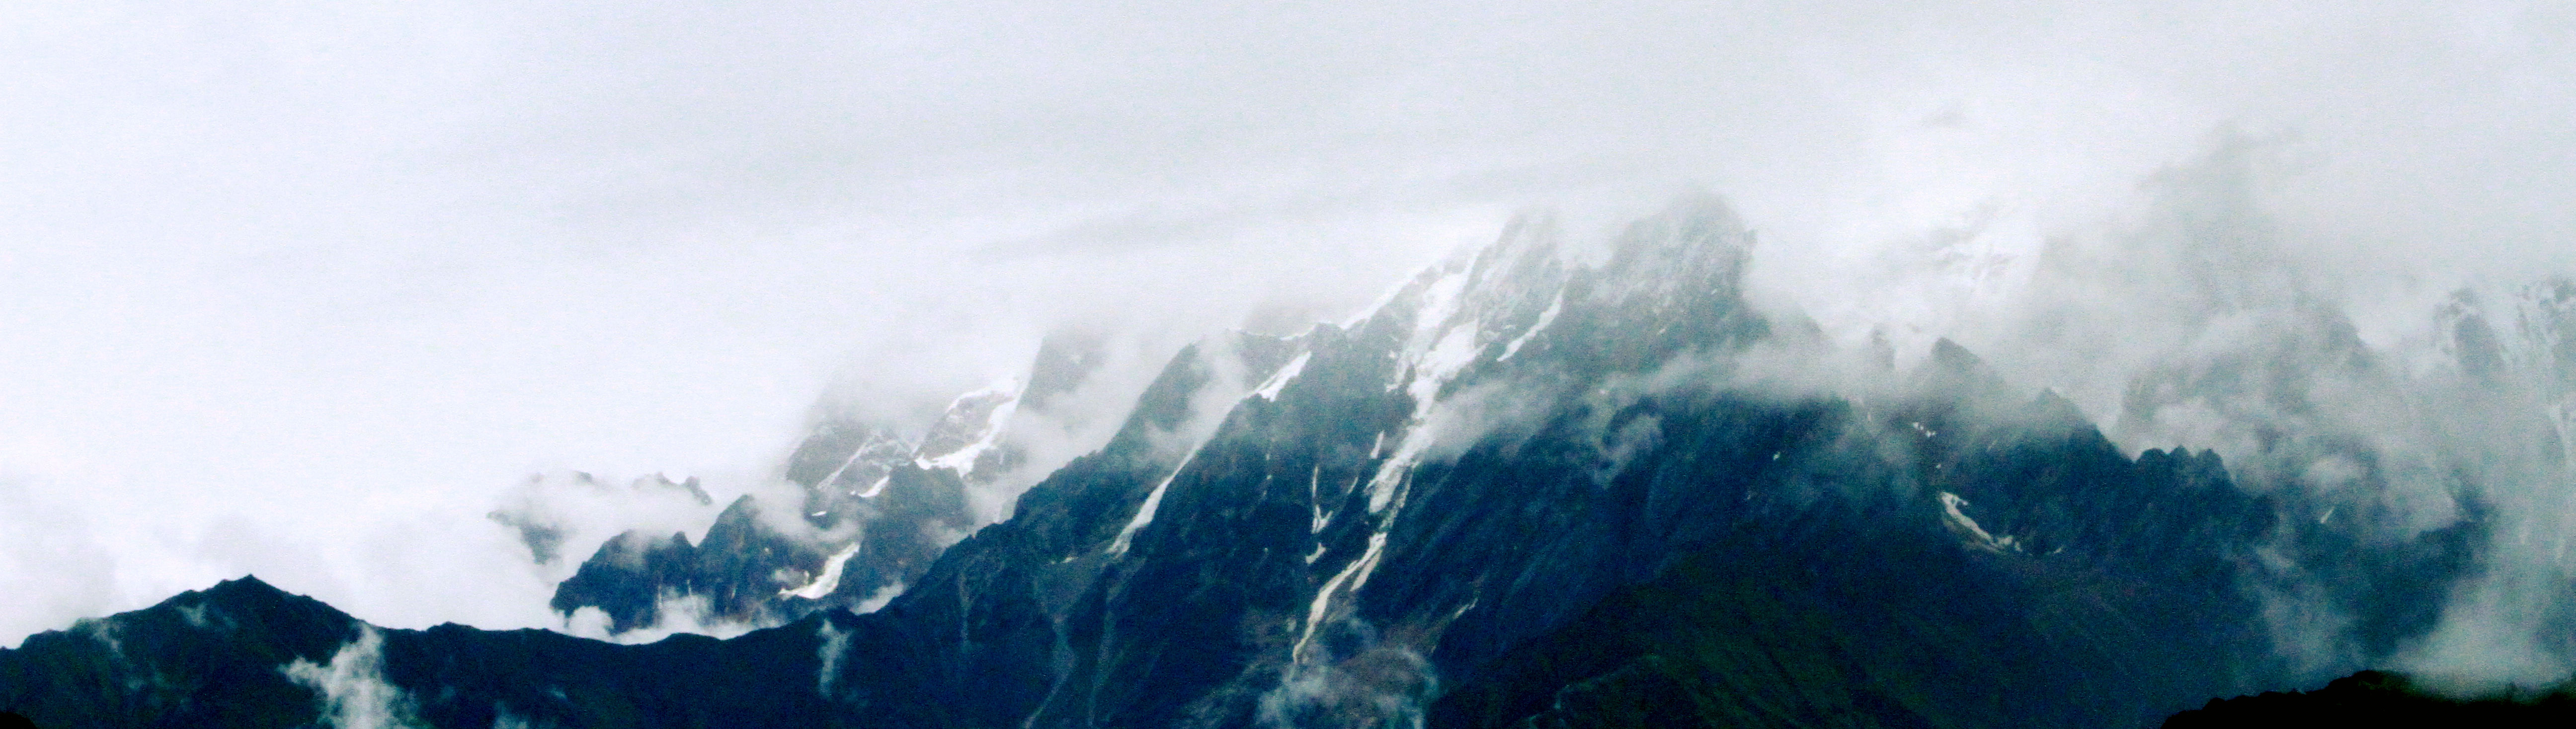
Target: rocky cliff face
{"points": [[1417, 498], [876, 509]]}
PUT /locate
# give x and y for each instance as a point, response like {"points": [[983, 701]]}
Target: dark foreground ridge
{"points": [[1698, 647], [244, 654], [1522, 493], [2379, 699]]}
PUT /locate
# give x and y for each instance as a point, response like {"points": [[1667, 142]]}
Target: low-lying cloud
{"points": [[352, 686]]}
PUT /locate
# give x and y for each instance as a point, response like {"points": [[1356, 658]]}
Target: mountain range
{"points": [[1525, 490]]}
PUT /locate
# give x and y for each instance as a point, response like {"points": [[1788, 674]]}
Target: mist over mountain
{"points": [[1154, 363], [1534, 485]]}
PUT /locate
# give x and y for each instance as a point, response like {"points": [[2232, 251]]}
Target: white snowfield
{"points": [[1967, 528], [827, 580]]}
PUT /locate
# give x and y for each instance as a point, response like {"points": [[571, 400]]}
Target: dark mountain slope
{"points": [[212, 658]]}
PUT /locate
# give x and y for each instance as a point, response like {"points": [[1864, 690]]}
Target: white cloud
{"points": [[353, 688]]}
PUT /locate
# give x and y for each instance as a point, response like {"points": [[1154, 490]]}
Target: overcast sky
{"points": [[299, 288]]}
